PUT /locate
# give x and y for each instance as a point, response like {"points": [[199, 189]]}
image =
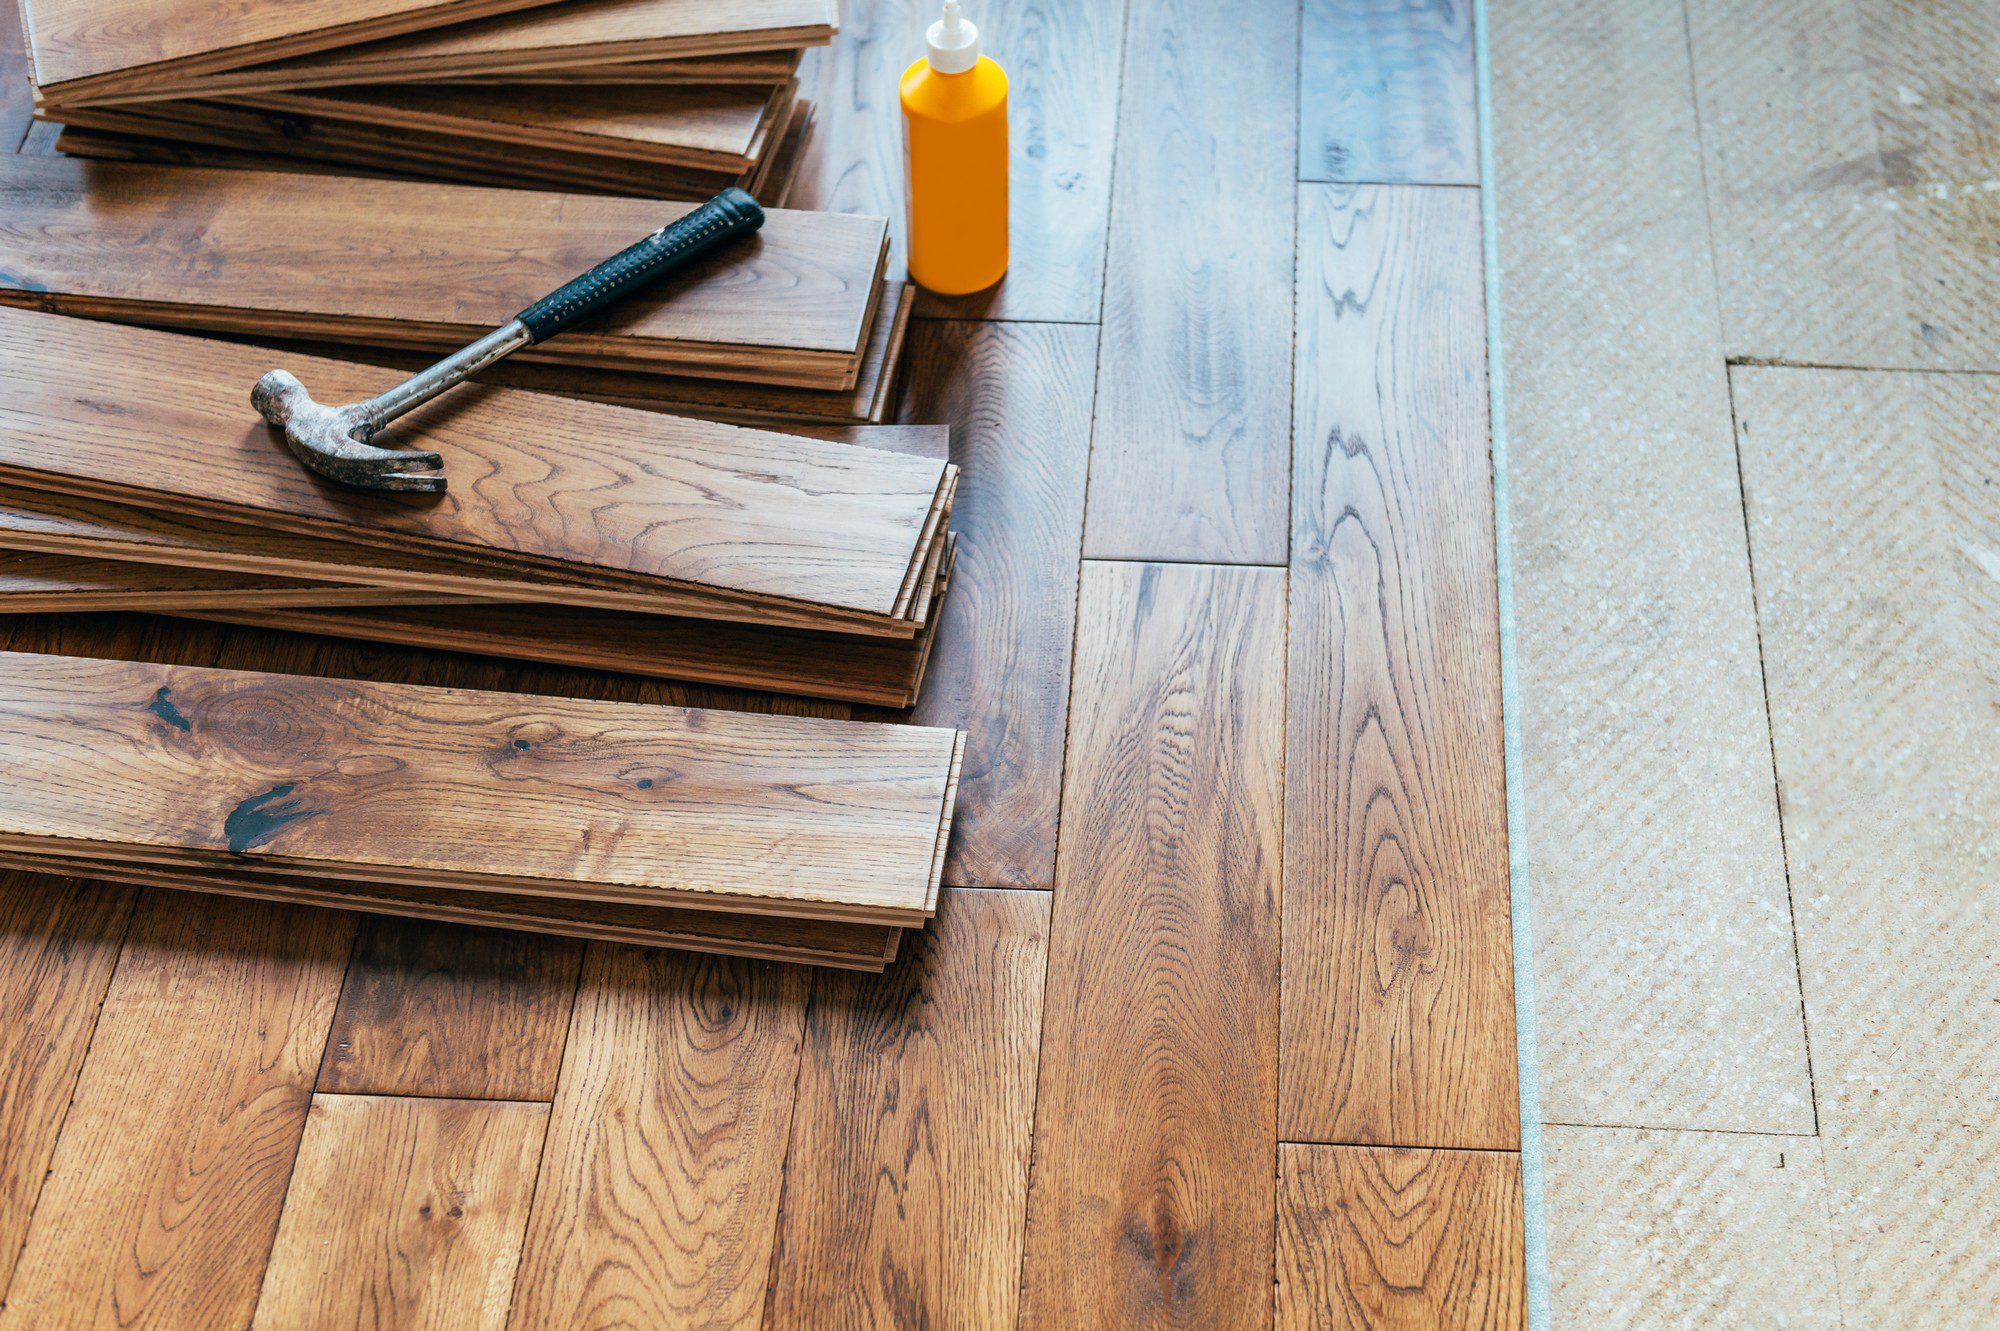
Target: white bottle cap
{"points": [[954, 42]]}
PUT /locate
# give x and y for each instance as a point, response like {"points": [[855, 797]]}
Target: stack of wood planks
{"points": [[657, 98], [766, 836], [573, 532]]}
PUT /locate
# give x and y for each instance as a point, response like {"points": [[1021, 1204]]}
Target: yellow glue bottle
{"points": [[955, 137]]}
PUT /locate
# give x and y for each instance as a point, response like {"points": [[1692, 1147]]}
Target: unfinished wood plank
{"points": [[1018, 400], [403, 1212], [1151, 1202], [905, 1195], [714, 128], [557, 38], [1192, 436], [648, 502], [1062, 63], [1664, 969], [443, 264], [1849, 156], [59, 940], [451, 1011], [402, 784], [1386, 92], [165, 1190], [1398, 1023], [81, 47], [666, 1149], [1369, 1237]]}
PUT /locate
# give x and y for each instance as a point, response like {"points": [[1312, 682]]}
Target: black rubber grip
{"points": [[728, 215]]}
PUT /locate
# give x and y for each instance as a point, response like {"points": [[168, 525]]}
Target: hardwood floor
{"points": [[1214, 1025]]}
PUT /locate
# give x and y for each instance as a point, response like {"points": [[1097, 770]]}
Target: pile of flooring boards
{"points": [[655, 98]]}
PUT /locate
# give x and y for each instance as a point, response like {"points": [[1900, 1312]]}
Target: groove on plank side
{"points": [[1151, 1199], [1398, 1025]]}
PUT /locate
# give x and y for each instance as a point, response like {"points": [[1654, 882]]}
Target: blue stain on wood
{"points": [[163, 707], [259, 818]]}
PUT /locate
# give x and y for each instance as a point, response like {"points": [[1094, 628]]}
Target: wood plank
{"points": [[1062, 62], [659, 1188], [1664, 969], [17, 94], [1018, 399], [1876, 553], [59, 940], [405, 1212], [1386, 92], [1192, 437], [1155, 1149], [79, 47], [36, 582], [165, 1189], [1849, 156], [905, 1194], [1398, 1022], [185, 766], [444, 264], [1371, 1237], [560, 37], [744, 507], [451, 1011]]}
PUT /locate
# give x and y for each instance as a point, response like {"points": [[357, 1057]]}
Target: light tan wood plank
{"points": [[1667, 988], [1386, 92], [457, 1012], [1192, 436], [59, 940], [1151, 1201], [1018, 400], [165, 1189], [1063, 67], [432, 266], [1375, 1237], [906, 1191], [658, 1197], [184, 766], [405, 1213], [1851, 162], [1398, 1024], [1869, 545]]}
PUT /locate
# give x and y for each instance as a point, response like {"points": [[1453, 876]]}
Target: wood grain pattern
{"points": [[59, 940], [432, 266], [559, 37], [405, 1213], [904, 1201], [1062, 62], [1398, 1024], [1193, 429], [1369, 1237], [1386, 92], [80, 47], [164, 1193], [1018, 401], [403, 784], [451, 1011], [1151, 1201], [698, 511], [666, 1149], [36, 582]]}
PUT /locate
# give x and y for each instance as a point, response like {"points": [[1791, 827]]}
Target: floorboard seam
{"points": [[1534, 1215], [1712, 1132], [1781, 363]]}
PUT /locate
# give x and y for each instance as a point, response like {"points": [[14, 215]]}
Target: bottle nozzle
{"points": [[954, 41]]}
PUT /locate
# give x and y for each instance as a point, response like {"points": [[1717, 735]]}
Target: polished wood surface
{"points": [[1069, 1099], [184, 766], [440, 1189], [1155, 1119], [426, 265], [1398, 995]]}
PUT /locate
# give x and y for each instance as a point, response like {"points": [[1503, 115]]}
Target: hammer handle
{"points": [[728, 215]]}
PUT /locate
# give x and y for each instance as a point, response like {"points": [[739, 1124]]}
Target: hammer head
{"points": [[333, 441]]}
